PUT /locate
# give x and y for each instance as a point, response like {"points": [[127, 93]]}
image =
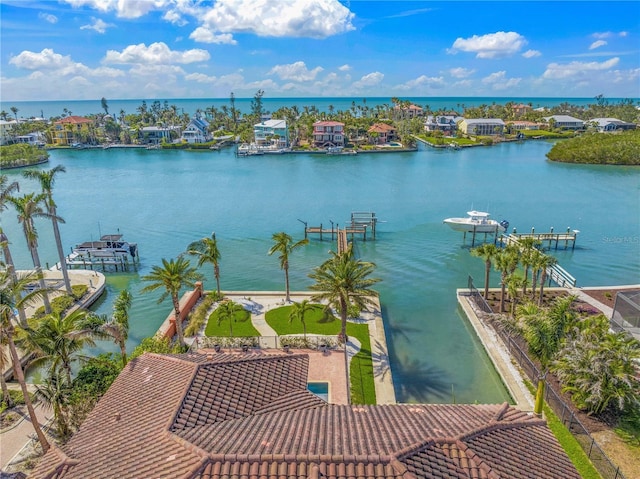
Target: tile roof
{"points": [[74, 120], [381, 128], [229, 416]]}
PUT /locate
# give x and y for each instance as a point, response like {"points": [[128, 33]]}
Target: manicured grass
{"points": [[569, 443], [320, 322], [242, 326]]}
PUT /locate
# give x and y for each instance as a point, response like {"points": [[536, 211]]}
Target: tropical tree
{"points": [[226, 311], [5, 361], [545, 263], [116, 327], [283, 244], [488, 252], [14, 110], [47, 180], [28, 208], [528, 245], [342, 281], [104, 105], [54, 392], [298, 312], [207, 251], [11, 287], [173, 275], [506, 261]]}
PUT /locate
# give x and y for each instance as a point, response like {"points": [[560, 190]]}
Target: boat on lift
{"points": [[478, 222], [109, 246]]}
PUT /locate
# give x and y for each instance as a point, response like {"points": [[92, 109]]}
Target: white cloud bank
{"points": [[155, 54], [297, 71], [491, 45]]}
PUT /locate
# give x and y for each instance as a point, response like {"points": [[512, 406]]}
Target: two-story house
{"points": [[67, 131], [565, 122], [5, 131], [381, 133], [328, 133], [197, 131], [448, 124], [482, 126], [271, 133]]}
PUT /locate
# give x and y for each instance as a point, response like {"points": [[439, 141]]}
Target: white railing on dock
{"points": [[560, 276]]}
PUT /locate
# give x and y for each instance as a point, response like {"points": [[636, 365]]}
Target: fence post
{"points": [[590, 448]]}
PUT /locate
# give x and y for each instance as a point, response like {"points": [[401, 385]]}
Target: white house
{"points": [[271, 133], [482, 126], [197, 131], [565, 122], [610, 124], [447, 124], [5, 131]]}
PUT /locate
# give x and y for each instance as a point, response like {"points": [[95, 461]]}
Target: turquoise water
{"points": [[165, 200]]}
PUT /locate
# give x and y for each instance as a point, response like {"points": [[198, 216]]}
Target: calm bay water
{"points": [[165, 200]]}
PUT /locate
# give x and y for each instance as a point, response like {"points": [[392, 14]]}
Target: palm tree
{"points": [[116, 327], [173, 275], [298, 312], [54, 393], [488, 252], [14, 110], [545, 263], [28, 208], [283, 245], [58, 340], [4, 364], [528, 245], [343, 281], [11, 287], [47, 180], [227, 312], [207, 251], [506, 262]]}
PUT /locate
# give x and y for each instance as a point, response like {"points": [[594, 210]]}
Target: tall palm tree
{"points": [[173, 275], [28, 208], [283, 244], [10, 299], [227, 312], [116, 327], [342, 281], [298, 312], [207, 251], [545, 263], [57, 341], [488, 252], [54, 392], [528, 245], [506, 262], [536, 259], [47, 179], [4, 364]]}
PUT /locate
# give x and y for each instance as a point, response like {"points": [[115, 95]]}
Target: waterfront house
{"points": [[564, 122], [36, 138], [197, 131], [271, 133], [328, 133], [155, 135], [447, 124], [215, 415], [482, 126], [5, 131], [519, 125], [70, 130], [381, 133], [610, 124], [520, 109], [407, 112]]}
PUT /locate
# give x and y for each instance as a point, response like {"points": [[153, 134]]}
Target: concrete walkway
{"points": [[15, 438]]}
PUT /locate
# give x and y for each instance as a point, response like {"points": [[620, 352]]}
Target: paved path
{"points": [[14, 439]]}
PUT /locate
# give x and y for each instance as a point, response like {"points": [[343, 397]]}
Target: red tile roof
{"points": [[381, 128], [74, 120], [328, 123], [229, 416]]}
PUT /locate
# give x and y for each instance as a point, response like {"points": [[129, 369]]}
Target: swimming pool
{"points": [[319, 389]]}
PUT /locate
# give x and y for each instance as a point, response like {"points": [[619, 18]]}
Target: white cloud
{"points": [[175, 17], [577, 69], [492, 45], [48, 17], [499, 81], [284, 18], [597, 44], [532, 54], [200, 78], [205, 35], [344, 68], [460, 72], [370, 79], [123, 8], [155, 54], [422, 81], [46, 59], [297, 71], [98, 25]]}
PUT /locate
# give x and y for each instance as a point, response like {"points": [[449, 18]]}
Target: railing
{"points": [[604, 465]]}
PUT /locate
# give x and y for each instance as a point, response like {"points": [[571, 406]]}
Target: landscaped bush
{"points": [[227, 342], [21, 154], [59, 304], [79, 290], [242, 325], [198, 316]]}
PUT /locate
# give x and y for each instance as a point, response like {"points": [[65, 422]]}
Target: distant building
{"points": [[520, 109], [155, 135], [482, 126], [197, 131], [409, 112], [381, 133], [520, 125], [5, 131], [565, 122], [67, 131], [328, 133], [36, 139], [610, 124], [271, 133]]}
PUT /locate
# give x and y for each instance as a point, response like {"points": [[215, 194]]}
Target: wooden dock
{"points": [[104, 262], [343, 243], [550, 239], [359, 224]]}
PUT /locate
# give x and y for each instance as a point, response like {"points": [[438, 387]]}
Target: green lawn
{"points": [[320, 322], [242, 326]]}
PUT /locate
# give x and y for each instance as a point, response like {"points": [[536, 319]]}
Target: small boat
{"points": [[477, 221], [109, 246]]}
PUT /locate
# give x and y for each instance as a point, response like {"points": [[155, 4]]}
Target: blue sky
{"points": [[88, 49]]}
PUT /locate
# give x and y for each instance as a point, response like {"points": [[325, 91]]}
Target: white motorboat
{"points": [[109, 246], [478, 222]]}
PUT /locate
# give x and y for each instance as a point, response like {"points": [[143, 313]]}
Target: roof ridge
{"points": [[311, 458], [500, 413]]}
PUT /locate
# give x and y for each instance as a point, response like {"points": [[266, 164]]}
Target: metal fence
{"points": [[604, 465]]}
